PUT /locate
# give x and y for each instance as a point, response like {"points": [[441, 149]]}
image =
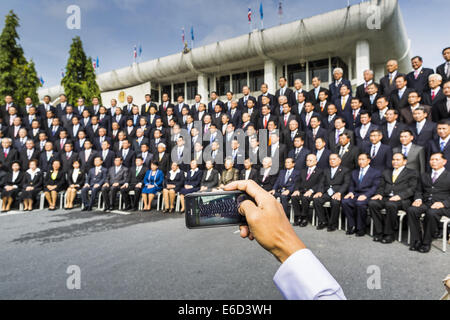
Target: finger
{"points": [[248, 209], [245, 232], [260, 195], [251, 237]]}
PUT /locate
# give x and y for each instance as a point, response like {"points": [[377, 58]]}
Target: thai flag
{"points": [[62, 73], [94, 64], [249, 15], [97, 63], [140, 50], [135, 52]]}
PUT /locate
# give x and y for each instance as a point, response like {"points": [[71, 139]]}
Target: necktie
{"points": [[338, 133], [354, 115], [390, 78], [341, 152], [416, 74], [394, 176], [309, 175], [442, 146], [343, 103], [361, 176], [433, 94], [333, 172], [285, 121], [374, 149], [435, 177], [419, 128], [265, 122], [448, 69], [288, 174], [405, 151]]}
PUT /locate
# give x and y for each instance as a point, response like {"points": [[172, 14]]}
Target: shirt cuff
{"points": [[303, 277]]}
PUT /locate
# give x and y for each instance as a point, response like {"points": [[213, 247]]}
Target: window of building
{"points": [[167, 89], [239, 80], [318, 69], [192, 88], [155, 95], [178, 90], [256, 80], [294, 72], [223, 85]]}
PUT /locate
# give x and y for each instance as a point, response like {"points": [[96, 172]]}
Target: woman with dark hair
{"points": [[173, 183], [12, 187], [191, 183], [33, 183], [54, 183], [75, 179], [153, 183]]}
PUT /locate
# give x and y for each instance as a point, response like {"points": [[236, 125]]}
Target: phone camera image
{"points": [[213, 209]]}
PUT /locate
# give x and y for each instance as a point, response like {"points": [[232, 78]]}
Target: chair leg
{"points": [[313, 217], [61, 200], [400, 227], [444, 236], [177, 206], [371, 227], [120, 201], [99, 204], [158, 200], [41, 202], [340, 220]]}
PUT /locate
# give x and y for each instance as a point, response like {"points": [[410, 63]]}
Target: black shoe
{"points": [[129, 208], [106, 209], [415, 246], [89, 209], [296, 223], [425, 248], [331, 229], [378, 238], [351, 231], [387, 239], [321, 226], [360, 233], [84, 209], [303, 223]]}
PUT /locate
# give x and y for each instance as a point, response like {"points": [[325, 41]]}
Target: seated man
{"points": [[363, 185], [336, 181], [305, 188], [285, 184], [117, 177], [396, 189], [267, 177], [134, 183], [95, 180], [432, 199]]}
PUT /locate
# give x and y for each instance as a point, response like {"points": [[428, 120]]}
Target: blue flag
{"points": [[41, 80], [98, 63], [192, 33], [140, 50], [261, 11]]}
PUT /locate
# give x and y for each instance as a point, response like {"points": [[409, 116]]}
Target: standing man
{"points": [[387, 83], [284, 91], [432, 198], [117, 177], [397, 187], [363, 90], [145, 108], [363, 185], [442, 143], [339, 81], [95, 180], [414, 153], [134, 183], [418, 79], [444, 69]]}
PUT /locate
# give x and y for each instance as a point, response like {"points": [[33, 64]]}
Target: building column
{"points": [[202, 89], [362, 59], [270, 75]]}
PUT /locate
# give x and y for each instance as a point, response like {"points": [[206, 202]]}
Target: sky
{"points": [[111, 28]]}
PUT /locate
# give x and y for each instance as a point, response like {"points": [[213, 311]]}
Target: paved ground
{"points": [[152, 256]]}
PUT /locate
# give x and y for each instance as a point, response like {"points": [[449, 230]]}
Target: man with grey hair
{"points": [[435, 97], [8, 154], [336, 84], [363, 90], [387, 83]]}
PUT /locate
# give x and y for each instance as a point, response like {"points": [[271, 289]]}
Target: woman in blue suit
{"points": [[153, 183], [191, 183]]}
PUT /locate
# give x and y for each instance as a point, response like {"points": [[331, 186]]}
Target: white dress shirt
{"points": [[303, 277]]}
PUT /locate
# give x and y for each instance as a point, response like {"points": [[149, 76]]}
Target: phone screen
{"points": [[213, 209]]}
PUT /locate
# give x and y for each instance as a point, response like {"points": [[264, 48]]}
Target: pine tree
{"points": [[12, 59], [27, 83], [79, 80], [90, 86]]}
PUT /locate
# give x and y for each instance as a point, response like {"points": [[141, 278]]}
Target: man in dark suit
{"points": [[414, 153], [406, 114], [395, 192], [444, 69], [399, 97], [163, 158], [299, 153], [335, 184], [344, 101], [286, 118], [136, 176], [48, 156], [145, 108], [248, 173], [435, 97], [63, 139], [338, 82], [392, 128], [140, 139], [380, 154], [265, 93], [96, 178], [214, 100], [322, 154], [323, 104], [265, 118], [164, 105], [117, 177], [7, 154], [179, 106], [46, 106], [363, 185], [424, 130], [347, 152], [387, 83], [107, 155], [27, 154], [127, 154], [87, 156], [242, 104], [370, 100], [362, 91], [285, 184], [67, 157], [9, 102], [284, 91], [418, 79], [362, 133], [432, 198], [277, 151], [128, 108], [306, 186], [354, 116], [288, 136], [333, 137], [442, 144], [267, 177], [234, 114], [317, 89], [328, 121], [316, 132]]}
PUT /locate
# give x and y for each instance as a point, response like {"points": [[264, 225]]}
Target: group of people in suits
{"points": [[333, 146]]}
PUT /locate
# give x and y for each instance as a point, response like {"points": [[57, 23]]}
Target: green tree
{"points": [[27, 83], [79, 79], [12, 59]]}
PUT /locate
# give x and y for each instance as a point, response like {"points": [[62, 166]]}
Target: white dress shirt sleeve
{"points": [[303, 277]]}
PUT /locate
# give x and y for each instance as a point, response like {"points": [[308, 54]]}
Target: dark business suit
{"points": [[421, 83], [397, 102], [441, 70], [438, 105], [134, 178], [394, 139], [435, 146], [361, 142], [282, 185], [429, 192], [386, 87], [212, 181], [26, 160], [67, 161], [382, 159], [416, 157], [46, 163], [339, 183], [310, 141], [87, 165], [427, 134], [335, 91], [324, 161], [406, 114], [299, 157], [110, 192], [92, 180], [108, 161], [333, 139], [128, 161], [404, 187], [350, 157], [192, 179], [303, 185], [354, 210]]}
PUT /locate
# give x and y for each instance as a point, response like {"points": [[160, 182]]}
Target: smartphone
{"points": [[214, 209]]}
